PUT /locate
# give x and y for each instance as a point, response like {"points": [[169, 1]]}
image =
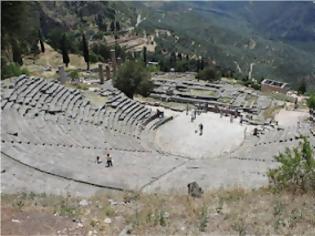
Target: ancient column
{"points": [[113, 59], [101, 74], [62, 75], [107, 73]]}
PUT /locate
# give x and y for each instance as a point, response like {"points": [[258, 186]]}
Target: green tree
{"points": [[19, 25], [112, 26], [302, 87], [42, 46], [16, 52], [133, 78], [74, 75], [297, 169], [145, 55], [311, 101], [11, 70], [102, 51], [202, 64], [180, 57], [173, 60], [117, 26], [34, 48], [210, 73], [64, 50], [85, 52]]}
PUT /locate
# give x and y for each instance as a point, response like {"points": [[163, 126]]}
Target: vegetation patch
{"points": [[297, 169], [133, 78], [233, 211], [11, 70]]}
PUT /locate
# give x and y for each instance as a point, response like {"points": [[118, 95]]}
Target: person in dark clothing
{"points": [[200, 129], [98, 161], [109, 160]]}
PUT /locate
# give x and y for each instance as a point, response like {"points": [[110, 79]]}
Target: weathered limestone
{"points": [[107, 73], [100, 73], [114, 62], [60, 147], [194, 190], [62, 75]]}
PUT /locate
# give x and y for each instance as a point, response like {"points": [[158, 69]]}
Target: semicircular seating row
{"points": [[56, 114], [57, 130]]}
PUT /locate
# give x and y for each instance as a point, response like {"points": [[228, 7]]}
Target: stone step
{"points": [[32, 91], [130, 109], [20, 80], [4, 102], [54, 94], [21, 91]]}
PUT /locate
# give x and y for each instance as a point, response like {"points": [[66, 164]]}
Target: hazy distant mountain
{"points": [[279, 37], [276, 39]]}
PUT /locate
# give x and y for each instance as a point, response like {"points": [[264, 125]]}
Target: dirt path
{"points": [[37, 222]]}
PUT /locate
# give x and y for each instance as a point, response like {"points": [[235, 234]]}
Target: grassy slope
{"points": [[228, 38], [220, 212]]}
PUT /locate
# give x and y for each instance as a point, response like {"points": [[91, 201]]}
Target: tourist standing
{"points": [[109, 162], [98, 161], [200, 129]]}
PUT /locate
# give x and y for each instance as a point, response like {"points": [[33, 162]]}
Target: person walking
{"points": [[200, 129], [109, 162], [98, 161]]}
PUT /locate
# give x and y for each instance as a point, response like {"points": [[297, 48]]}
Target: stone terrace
{"points": [[51, 135], [219, 97]]}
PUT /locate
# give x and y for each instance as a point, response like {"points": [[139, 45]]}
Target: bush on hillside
{"points": [[297, 170], [101, 51], [311, 101], [133, 78], [74, 75], [210, 73], [11, 70]]}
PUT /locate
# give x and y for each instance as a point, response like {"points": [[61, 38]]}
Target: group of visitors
{"points": [[109, 162], [200, 129], [193, 117]]}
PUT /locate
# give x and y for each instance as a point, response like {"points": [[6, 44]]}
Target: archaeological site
{"points": [[157, 118]]}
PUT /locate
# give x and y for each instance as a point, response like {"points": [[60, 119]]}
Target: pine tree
{"points": [[16, 53], [85, 52], [117, 26], [145, 55], [179, 56], [198, 65], [302, 87], [112, 26], [202, 64], [64, 50], [173, 60], [42, 46]]}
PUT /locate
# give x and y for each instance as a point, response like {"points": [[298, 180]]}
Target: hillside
{"points": [[277, 44], [242, 33], [233, 212]]}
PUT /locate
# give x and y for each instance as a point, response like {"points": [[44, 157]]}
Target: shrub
{"points": [[133, 78], [203, 219], [297, 170], [11, 70], [210, 73], [102, 51], [74, 75], [311, 101], [94, 58]]}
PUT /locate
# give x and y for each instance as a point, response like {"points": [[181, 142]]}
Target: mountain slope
{"points": [[231, 33], [276, 38]]}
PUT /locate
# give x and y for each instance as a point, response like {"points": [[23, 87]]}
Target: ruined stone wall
{"points": [[312, 115], [273, 88]]}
